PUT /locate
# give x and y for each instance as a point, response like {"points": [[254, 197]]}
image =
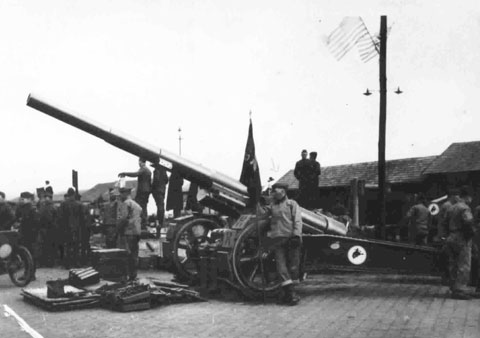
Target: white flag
{"points": [[350, 33]]}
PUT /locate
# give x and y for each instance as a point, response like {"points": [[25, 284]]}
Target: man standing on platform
{"points": [[144, 186], [159, 183], [129, 229], [303, 173], [316, 171]]}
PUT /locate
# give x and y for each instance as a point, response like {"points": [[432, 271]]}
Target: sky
{"points": [[148, 68]]}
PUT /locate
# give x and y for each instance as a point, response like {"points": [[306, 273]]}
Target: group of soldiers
{"points": [[307, 172], [52, 234], [146, 186], [459, 230]]}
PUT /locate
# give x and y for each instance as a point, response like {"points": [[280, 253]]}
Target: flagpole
{"points": [[382, 127]]}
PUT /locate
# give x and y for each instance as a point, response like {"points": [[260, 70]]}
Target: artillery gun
{"points": [[239, 248]]}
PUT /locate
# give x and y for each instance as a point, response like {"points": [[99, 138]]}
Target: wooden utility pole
{"points": [[75, 183], [382, 129], [355, 205], [180, 141]]}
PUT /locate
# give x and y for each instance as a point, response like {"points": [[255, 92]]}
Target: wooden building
{"points": [[458, 165]]}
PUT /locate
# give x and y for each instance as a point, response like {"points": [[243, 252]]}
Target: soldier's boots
{"points": [[289, 296]]}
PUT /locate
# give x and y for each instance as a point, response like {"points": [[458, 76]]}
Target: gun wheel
{"points": [[185, 246], [20, 266], [247, 258]]}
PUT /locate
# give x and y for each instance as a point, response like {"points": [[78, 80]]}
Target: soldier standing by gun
{"points": [[459, 245], [144, 185], [315, 172], [159, 183], [71, 218], [284, 237], [129, 229], [419, 222], [303, 172], [48, 229], [109, 219], [27, 214], [7, 217]]}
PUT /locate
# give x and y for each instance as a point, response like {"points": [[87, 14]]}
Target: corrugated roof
{"points": [[407, 170], [459, 157]]}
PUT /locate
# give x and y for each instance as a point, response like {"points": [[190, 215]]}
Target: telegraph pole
{"points": [[382, 127]]}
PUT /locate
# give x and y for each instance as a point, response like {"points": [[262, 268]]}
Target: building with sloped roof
{"points": [[458, 165]]}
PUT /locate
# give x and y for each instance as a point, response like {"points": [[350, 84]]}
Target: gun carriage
{"points": [[239, 249]]}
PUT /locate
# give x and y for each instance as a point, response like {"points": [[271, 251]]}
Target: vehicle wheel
{"points": [[247, 255], [185, 244], [20, 266]]}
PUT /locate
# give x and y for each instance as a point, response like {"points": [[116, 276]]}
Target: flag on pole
{"points": [[250, 175], [352, 32]]}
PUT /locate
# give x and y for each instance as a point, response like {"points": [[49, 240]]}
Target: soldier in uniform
{"points": [[459, 245], [316, 171], [444, 213], [129, 229], [284, 237], [419, 222], [7, 217], [159, 183], [144, 185], [303, 172], [48, 230], [71, 219], [27, 214], [109, 217]]}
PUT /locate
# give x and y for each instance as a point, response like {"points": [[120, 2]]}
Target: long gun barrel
{"points": [[228, 193]]}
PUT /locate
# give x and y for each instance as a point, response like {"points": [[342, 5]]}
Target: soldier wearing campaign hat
{"points": [[109, 218], [284, 238]]}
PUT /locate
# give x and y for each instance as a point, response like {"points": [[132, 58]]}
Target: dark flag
{"points": [[250, 175]]}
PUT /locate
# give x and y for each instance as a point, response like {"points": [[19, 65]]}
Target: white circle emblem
{"points": [[434, 209], [357, 255]]}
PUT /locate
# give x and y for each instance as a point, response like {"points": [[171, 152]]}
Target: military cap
{"points": [[142, 159], [71, 192], [2, 194], [280, 185], [26, 194], [125, 189]]}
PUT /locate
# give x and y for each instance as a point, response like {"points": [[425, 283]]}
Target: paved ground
{"points": [[341, 305]]}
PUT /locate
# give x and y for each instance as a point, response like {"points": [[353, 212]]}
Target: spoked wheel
{"points": [[247, 256], [188, 239], [20, 266]]}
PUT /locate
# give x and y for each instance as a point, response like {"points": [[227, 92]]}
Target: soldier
{"points": [[71, 219], [109, 219], [48, 230], [159, 183], [476, 248], [144, 185], [303, 172], [48, 188], [129, 229], [419, 221], [459, 245], [28, 217], [444, 214], [284, 238], [7, 217], [316, 171]]}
